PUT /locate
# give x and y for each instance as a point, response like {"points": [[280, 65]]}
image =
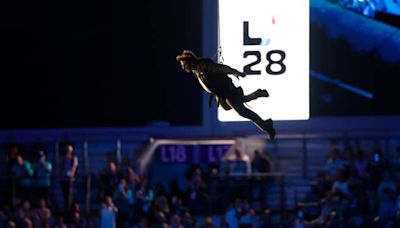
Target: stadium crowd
{"points": [[354, 189]]}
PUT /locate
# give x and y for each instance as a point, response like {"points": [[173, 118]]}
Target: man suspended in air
{"points": [[214, 79]]}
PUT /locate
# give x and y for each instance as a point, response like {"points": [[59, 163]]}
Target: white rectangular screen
{"points": [[269, 41]]}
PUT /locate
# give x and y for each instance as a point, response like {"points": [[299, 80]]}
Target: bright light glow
{"points": [[280, 25]]}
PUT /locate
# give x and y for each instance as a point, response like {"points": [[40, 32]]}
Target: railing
{"points": [[305, 149], [93, 156]]}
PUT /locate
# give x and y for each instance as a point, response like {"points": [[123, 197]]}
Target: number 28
{"points": [[248, 68]]}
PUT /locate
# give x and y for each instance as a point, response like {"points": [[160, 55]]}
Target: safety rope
{"points": [[218, 54]]}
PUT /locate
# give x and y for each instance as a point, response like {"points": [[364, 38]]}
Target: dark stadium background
{"points": [[112, 63]]}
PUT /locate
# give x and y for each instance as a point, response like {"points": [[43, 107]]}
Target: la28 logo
{"points": [[248, 69]]}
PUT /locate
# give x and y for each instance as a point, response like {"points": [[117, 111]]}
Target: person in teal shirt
{"points": [[43, 169], [22, 173]]}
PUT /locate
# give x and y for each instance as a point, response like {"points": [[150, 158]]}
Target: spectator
{"points": [[108, 214], [110, 179], [26, 223], [341, 206], [161, 204], [60, 222], [354, 182], [266, 219], [197, 184], [239, 162], [223, 223], [123, 198], [69, 166], [145, 195], [175, 191], [160, 190], [361, 164], [387, 208], [143, 222], [215, 192], [358, 207], [43, 170], [177, 207], [13, 150], [378, 165], [74, 218], [187, 221], [231, 216], [312, 209], [133, 178], [160, 220], [175, 222], [386, 184], [248, 217], [334, 221], [323, 183], [328, 205], [348, 158], [340, 185], [22, 171], [25, 211], [299, 221], [213, 181], [11, 224], [44, 213], [208, 223], [396, 163], [77, 221], [260, 163], [197, 192], [334, 164]]}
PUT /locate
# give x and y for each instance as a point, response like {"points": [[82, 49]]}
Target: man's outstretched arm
{"points": [[221, 68]]}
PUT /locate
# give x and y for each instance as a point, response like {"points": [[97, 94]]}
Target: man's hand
{"points": [[239, 74]]}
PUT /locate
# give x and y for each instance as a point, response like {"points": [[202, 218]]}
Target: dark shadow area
{"points": [[365, 70], [82, 64]]}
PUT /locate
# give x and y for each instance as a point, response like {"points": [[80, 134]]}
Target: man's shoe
{"points": [[268, 126], [268, 123]]}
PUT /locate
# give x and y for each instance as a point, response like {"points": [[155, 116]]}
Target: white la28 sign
{"points": [[269, 41]]}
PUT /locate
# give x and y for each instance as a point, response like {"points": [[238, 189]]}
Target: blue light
{"points": [[340, 84]]}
